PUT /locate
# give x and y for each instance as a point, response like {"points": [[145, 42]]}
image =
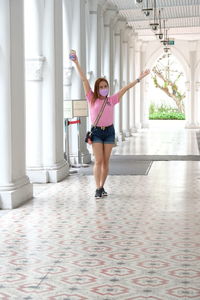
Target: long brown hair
{"points": [[96, 87]]}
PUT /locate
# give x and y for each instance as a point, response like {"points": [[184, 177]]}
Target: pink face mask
{"points": [[104, 92]]}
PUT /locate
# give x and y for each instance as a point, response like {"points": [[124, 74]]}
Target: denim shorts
{"points": [[103, 136]]}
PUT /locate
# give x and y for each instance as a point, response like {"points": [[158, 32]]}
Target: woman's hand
{"points": [[144, 74], [73, 57]]}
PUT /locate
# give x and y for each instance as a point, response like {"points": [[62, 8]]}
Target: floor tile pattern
{"points": [[140, 242]]}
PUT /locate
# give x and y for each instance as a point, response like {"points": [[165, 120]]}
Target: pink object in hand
{"points": [[72, 55]]}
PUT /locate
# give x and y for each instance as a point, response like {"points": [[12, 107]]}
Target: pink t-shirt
{"points": [[108, 113]]}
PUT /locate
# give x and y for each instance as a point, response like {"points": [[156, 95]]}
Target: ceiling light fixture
{"points": [[166, 49], [155, 24], [165, 41], [160, 34], [147, 10]]}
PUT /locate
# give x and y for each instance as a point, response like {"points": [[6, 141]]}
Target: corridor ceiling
{"points": [[182, 17]]}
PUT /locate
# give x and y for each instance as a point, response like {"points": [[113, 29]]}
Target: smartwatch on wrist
{"points": [[138, 80]]}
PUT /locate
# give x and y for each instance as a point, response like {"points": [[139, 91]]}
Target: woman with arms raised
{"points": [[103, 134]]}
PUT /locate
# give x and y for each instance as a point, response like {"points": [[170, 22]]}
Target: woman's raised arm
{"points": [[83, 77], [133, 83]]}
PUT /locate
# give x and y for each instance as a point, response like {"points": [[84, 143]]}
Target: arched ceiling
{"points": [[182, 17]]}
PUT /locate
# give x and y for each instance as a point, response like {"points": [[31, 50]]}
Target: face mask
{"points": [[104, 92]]}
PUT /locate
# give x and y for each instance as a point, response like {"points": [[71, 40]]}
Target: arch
{"points": [[176, 53], [186, 68]]}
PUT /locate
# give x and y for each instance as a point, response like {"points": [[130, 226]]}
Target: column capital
{"points": [[115, 20], [130, 31], [109, 14], [93, 6], [120, 25], [103, 4], [127, 32]]}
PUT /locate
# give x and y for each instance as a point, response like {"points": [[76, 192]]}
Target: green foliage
{"points": [[164, 112], [155, 81], [167, 116], [165, 84], [152, 108]]}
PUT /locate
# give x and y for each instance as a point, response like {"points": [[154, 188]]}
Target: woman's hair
{"points": [[96, 87]]}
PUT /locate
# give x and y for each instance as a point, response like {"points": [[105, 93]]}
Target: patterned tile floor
{"points": [[140, 242]]}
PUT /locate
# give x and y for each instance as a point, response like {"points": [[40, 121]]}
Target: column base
{"points": [[127, 133], [120, 137], [192, 125], [47, 174], [138, 125], [16, 194], [134, 130], [145, 125], [85, 158]]}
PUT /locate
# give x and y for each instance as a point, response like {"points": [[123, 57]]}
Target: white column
{"points": [[52, 126], [125, 72], [15, 187], [188, 104], [94, 42], [94, 47], [197, 101], [138, 86], [100, 40], [33, 12], [132, 78], [194, 100], [68, 67], [109, 15], [144, 90], [191, 107], [106, 53], [101, 37], [118, 77], [145, 102], [112, 51], [78, 148]]}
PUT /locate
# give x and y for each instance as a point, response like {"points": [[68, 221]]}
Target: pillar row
{"points": [[118, 76], [44, 91], [138, 86], [15, 187], [108, 45], [197, 97], [132, 78], [78, 148], [125, 72]]}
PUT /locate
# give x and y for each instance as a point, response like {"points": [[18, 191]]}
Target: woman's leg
{"points": [[98, 155], [107, 149]]}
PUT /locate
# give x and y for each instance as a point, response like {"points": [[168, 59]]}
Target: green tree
{"points": [[166, 79]]}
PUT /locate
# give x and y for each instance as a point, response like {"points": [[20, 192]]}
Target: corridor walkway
{"points": [[140, 242]]}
